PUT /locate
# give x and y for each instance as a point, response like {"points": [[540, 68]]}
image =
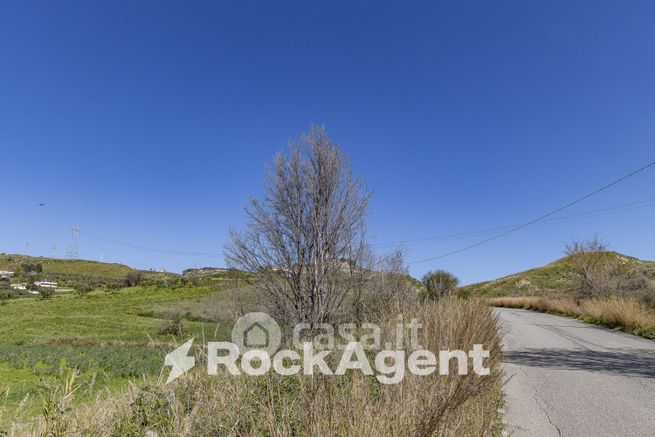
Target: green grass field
{"points": [[108, 337]]}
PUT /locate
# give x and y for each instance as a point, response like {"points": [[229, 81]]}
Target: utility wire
{"points": [[150, 249], [538, 219], [462, 235], [447, 236]]}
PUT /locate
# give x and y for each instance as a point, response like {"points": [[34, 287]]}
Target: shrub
{"points": [[113, 286], [45, 292], [439, 284], [388, 290], [134, 278], [596, 271], [173, 326], [647, 297], [83, 287]]}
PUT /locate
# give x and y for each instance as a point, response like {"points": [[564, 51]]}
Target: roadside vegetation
{"points": [[578, 275], [590, 283], [439, 285], [357, 405], [626, 314]]}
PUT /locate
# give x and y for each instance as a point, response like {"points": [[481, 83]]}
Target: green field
{"points": [[108, 337]]}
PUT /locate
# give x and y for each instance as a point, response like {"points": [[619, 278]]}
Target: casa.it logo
{"points": [[256, 338], [257, 331]]}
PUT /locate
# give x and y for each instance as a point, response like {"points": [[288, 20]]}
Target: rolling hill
{"points": [[69, 271], [65, 266], [553, 278]]}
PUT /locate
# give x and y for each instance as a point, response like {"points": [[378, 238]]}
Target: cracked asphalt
{"points": [[569, 378]]}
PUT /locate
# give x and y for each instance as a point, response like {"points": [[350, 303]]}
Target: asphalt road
{"points": [[570, 378]]}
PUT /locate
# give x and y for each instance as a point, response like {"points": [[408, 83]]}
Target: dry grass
{"points": [[355, 404], [628, 314]]}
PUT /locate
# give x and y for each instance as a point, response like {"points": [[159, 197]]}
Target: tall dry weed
{"points": [[353, 404]]}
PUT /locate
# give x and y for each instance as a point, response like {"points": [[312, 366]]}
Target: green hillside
{"points": [[553, 278], [65, 266], [68, 272]]}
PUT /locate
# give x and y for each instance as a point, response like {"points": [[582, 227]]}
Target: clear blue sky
{"points": [[151, 123]]}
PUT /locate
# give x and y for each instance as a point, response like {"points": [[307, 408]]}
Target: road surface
{"points": [[570, 378]]}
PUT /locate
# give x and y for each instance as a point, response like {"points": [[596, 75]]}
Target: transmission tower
{"points": [[53, 251], [72, 250]]}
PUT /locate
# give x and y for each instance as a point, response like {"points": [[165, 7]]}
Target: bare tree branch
{"points": [[306, 236]]}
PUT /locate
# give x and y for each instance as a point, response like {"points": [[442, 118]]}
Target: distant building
{"points": [[19, 286], [283, 270], [6, 273], [46, 284]]}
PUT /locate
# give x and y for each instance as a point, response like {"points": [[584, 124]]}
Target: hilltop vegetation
{"points": [[64, 267], [84, 275], [601, 287], [559, 277]]}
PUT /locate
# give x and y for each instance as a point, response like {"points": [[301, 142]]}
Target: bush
{"points": [[595, 270], [173, 326], [134, 278], [113, 286], [439, 284], [647, 297], [83, 287], [28, 269], [46, 292], [390, 290], [5, 284]]}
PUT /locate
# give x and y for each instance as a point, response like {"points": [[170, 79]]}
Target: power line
{"points": [[462, 235], [538, 219], [150, 249], [509, 230]]}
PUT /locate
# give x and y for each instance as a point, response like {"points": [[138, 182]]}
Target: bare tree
{"points": [[592, 245], [305, 237], [595, 270], [388, 290]]}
